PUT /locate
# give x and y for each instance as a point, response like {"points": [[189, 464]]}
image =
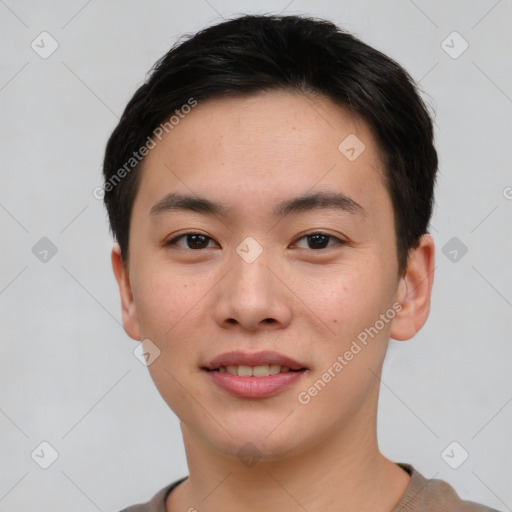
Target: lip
{"points": [[254, 387], [253, 359]]}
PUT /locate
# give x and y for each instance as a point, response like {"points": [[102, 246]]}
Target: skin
{"points": [[251, 153]]}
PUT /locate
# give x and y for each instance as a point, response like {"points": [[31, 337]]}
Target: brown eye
{"points": [[191, 241], [319, 240]]}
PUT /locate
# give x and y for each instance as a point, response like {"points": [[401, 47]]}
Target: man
{"points": [[270, 188]]}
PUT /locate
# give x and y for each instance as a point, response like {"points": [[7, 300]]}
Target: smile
{"points": [[254, 382], [263, 370]]}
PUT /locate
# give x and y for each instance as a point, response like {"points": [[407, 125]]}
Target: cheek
{"points": [[346, 373], [351, 305], [347, 298], [169, 312], [165, 300]]}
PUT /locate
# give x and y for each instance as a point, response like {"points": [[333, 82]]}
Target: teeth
{"points": [[274, 369], [232, 370], [244, 371], [263, 370]]}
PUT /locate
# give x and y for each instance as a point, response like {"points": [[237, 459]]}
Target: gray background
{"points": [[68, 374]]}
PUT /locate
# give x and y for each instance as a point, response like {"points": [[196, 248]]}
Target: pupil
{"points": [[318, 241], [198, 241]]}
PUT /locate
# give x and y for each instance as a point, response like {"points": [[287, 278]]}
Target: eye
{"points": [[191, 241], [197, 241], [319, 240]]}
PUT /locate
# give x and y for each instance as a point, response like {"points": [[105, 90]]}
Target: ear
{"points": [[128, 308], [414, 290]]}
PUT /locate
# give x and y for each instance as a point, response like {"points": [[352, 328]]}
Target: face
{"points": [[304, 281]]}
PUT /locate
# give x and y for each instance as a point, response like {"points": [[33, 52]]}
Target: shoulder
{"points": [[157, 502], [429, 495]]}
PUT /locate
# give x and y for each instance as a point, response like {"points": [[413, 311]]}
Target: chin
{"points": [[250, 449], [254, 441]]}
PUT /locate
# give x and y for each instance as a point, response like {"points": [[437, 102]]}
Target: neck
{"points": [[345, 471]]}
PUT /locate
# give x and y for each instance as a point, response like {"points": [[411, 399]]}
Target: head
{"points": [[246, 118]]}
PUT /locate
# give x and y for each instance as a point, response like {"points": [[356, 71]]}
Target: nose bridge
{"points": [[252, 295], [251, 276]]}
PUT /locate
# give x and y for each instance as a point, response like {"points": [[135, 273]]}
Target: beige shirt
{"points": [[422, 495]]}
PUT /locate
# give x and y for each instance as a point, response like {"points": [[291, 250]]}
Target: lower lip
{"points": [[255, 387]]}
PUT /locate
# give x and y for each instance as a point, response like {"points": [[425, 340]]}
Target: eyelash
{"points": [[175, 240]]}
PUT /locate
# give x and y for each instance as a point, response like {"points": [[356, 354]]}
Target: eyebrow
{"points": [[319, 200]]}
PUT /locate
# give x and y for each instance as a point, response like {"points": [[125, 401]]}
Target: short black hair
{"points": [[255, 53]]}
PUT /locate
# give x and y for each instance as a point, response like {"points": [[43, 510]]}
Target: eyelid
{"points": [[175, 238], [340, 241]]}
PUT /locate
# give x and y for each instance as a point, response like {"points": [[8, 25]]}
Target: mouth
{"points": [[263, 370], [256, 375], [256, 364]]}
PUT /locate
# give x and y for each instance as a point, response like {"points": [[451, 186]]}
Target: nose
{"points": [[253, 296]]}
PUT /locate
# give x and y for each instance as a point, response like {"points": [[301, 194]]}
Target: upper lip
{"points": [[252, 359]]}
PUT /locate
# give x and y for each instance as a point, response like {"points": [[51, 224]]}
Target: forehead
{"points": [[260, 148]]}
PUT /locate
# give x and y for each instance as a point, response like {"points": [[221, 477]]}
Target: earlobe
{"points": [[128, 308], [414, 291]]}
